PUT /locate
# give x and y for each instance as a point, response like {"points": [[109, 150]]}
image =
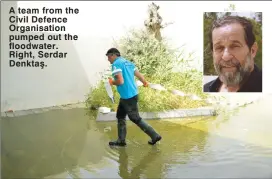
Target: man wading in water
{"points": [[123, 72]]}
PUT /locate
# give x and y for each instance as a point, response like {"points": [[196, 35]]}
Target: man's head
{"points": [[112, 54], [232, 42]]}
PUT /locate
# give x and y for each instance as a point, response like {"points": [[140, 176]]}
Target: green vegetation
{"points": [[209, 17], [156, 60], [151, 100]]}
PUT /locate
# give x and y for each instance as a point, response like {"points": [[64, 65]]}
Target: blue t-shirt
{"points": [[129, 88]]}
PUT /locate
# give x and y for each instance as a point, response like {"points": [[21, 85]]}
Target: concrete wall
{"points": [[97, 24], [63, 81]]}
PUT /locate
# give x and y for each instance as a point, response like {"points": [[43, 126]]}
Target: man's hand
{"points": [[111, 81], [141, 78], [145, 84]]}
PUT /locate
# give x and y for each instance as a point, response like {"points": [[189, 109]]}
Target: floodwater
{"points": [[67, 144]]}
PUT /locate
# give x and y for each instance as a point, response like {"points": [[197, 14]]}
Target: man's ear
{"points": [[254, 50]]}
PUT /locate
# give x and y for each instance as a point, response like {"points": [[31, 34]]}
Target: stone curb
{"points": [[180, 113], [41, 110]]}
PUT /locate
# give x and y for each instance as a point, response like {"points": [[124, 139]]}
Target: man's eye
{"points": [[219, 48], [235, 46]]}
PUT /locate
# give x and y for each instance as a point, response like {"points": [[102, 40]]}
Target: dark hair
{"points": [[246, 24], [112, 51]]}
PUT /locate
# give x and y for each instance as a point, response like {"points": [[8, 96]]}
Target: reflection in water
{"points": [[67, 144], [140, 168]]}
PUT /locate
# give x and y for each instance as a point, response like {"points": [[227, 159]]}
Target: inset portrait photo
{"points": [[232, 52]]}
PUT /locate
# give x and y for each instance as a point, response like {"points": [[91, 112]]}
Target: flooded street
{"points": [[67, 144]]}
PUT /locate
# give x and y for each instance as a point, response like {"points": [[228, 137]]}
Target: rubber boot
{"points": [[155, 137], [122, 132]]}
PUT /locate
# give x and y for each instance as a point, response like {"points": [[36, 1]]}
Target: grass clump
{"points": [[157, 61]]}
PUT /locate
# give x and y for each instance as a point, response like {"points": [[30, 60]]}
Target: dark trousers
{"points": [[129, 107]]}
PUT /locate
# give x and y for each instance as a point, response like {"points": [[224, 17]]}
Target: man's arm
{"points": [[119, 79], [140, 77], [117, 73]]}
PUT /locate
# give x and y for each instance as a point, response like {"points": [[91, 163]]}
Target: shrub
{"points": [[156, 60]]}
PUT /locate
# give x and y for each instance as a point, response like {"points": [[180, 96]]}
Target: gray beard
{"points": [[234, 78]]}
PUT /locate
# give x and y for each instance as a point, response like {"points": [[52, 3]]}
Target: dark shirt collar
{"points": [[252, 84]]}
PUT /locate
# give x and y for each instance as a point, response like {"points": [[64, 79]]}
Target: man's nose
{"points": [[227, 55]]}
